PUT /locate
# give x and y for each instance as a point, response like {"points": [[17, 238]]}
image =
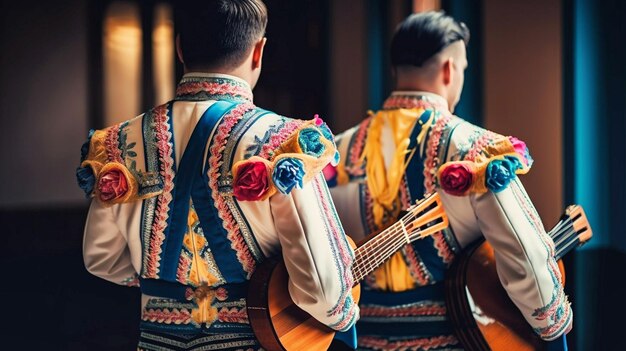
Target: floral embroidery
{"points": [[288, 173], [260, 143], [521, 148], [278, 138], [251, 180]]}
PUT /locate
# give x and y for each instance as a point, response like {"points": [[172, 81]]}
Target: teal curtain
{"points": [[594, 131]]}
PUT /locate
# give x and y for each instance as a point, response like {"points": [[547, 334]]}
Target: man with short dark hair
{"points": [[189, 197], [415, 146]]}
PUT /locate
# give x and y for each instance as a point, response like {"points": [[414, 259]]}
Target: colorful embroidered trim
{"points": [[214, 88], [216, 156], [165, 148], [342, 255], [396, 101], [422, 308], [374, 343], [354, 165]]}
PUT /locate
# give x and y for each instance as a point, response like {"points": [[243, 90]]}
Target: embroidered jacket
{"points": [[474, 170], [191, 234]]}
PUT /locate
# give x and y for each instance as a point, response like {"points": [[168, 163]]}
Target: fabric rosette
{"points": [[115, 184], [310, 143], [288, 173], [522, 150], [500, 172], [252, 179], [457, 178]]}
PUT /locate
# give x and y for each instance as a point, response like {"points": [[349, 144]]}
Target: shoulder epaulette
{"points": [[492, 167], [299, 158]]}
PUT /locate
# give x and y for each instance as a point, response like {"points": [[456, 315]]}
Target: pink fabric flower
{"points": [[318, 120], [330, 172], [521, 149], [251, 182], [456, 179], [112, 185]]}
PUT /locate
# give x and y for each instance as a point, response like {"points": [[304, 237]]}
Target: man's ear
{"points": [[179, 50], [447, 68], [257, 53]]}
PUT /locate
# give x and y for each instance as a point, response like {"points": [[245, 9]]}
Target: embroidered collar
{"points": [[415, 99], [212, 86]]}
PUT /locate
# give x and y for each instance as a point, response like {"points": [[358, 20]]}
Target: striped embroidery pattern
{"points": [[374, 343], [229, 222], [166, 169]]}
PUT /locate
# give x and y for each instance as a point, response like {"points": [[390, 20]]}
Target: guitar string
{"points": [[389, 233], [381, 252], [397, 243], [368, 259]]}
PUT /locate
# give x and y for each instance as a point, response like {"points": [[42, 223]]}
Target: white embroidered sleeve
{"points": [[525, 258], [316, 253], [105, 250]]}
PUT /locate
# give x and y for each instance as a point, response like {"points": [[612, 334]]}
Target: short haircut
{"points": [[423, 35], [219, 32]]}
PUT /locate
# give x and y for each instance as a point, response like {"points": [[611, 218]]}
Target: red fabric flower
{"points": [[456, 179], [251, 181], [112, 185]]}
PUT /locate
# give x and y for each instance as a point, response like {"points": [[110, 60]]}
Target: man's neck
{"points": [[237, 73]]}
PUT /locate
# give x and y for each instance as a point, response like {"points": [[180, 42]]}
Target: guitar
{"points": [[483, 315], [280, 325]]}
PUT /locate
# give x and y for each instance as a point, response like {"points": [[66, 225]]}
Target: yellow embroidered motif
{"points": [[384, 183], [205, 312]]}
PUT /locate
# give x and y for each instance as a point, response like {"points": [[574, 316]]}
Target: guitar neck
{"points": [[421, 220], [572, 230]]}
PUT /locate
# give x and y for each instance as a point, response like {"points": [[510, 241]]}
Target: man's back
{"points": [[191, 196], [403, 302]]}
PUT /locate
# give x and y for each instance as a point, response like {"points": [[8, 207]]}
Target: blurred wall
{"points": [[43, 100], [523, 95]]}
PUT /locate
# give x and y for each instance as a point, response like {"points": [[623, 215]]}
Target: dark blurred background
{"points": [[550, 72]]}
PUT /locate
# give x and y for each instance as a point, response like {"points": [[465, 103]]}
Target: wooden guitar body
{"points": [[280, 325], [277, 322], [483, 315]]}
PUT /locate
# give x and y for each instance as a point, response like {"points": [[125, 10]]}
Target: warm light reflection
{"points": [[426, 5], [122, 51], [163, 53]]}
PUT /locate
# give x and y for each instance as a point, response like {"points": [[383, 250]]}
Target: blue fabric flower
{"points": [[516, 163], [326, 132], [288, 172], [84, 150], [499, 174], [86, 179], [309, 141]]}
